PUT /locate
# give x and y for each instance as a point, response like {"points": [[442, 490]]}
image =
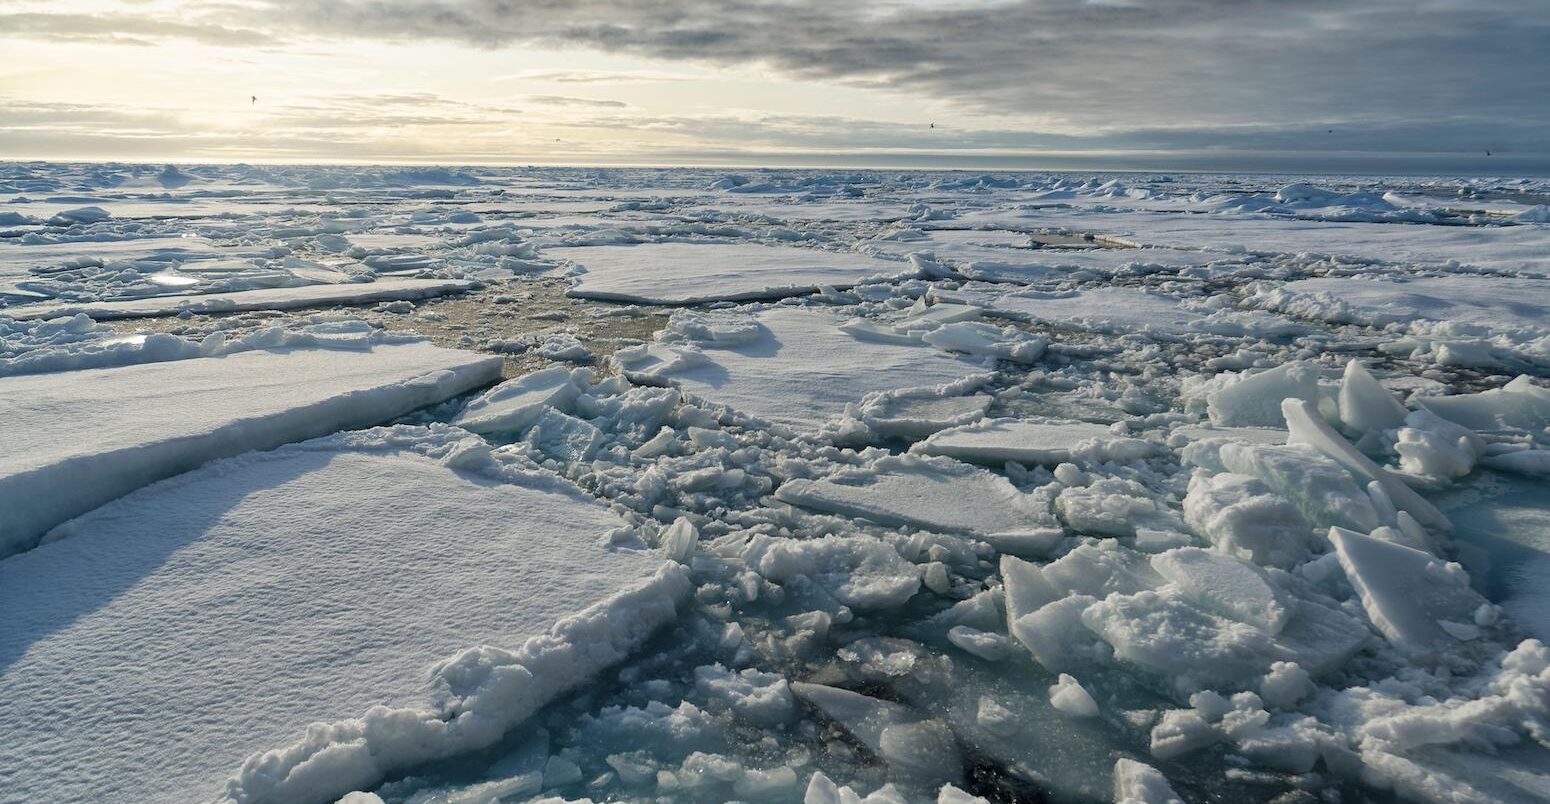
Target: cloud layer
{"points": [[1432, 78]]}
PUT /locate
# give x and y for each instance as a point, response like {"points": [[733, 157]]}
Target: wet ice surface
{"points": [[1022, 487]]}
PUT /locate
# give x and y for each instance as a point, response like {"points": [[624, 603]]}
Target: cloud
{"points": [[565, 100], [596, 76], [126, 29], [1209, 76]]}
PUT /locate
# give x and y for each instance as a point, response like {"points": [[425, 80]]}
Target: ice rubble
{"points": [[289, 298], [78, 439], [326, 623], [682, 273]]}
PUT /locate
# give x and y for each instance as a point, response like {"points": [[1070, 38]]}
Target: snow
{"points": [[289, 298], [247, 622], [78, 439], [680, 273]]}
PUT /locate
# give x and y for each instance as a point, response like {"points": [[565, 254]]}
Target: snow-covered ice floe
{"points": [[77, 439], [389, 289], [292, 625], [681, 273], [799, 486]]}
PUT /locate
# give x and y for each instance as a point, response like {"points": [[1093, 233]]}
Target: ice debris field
{"points": [[435, 485]]}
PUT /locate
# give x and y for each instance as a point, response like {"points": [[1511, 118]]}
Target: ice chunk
{"points": [[684, 273], [301, 595], [359, 293], [75, 440], [1068, 696], [563, 437], [1139, 783], [1306, 426], [757, 697], [1241, 516], [997, 441], [1115, 507], [933, 493], [918, 412], [1366, 406], [987, 340], [1519, 404], [1255, 399], [515, 404], [1226, 586], [911, 744], [859, 571], [1412, 598], [1320, 488], [1188, 648]]}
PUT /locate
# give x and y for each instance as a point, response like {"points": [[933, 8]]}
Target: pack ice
{"points": [[818, 486]]}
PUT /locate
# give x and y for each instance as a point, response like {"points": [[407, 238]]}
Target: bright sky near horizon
{"points": [[1382, 85]]}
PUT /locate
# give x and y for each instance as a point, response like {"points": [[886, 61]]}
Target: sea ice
{"points": [[290, 298]]}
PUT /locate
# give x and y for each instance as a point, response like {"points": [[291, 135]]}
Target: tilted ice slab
{"points": [[1495, 303], [18, 259], [175, 632], [997, 441], [683, 273], [800, 369], [392, 289], [933, 493], [75, 440]]}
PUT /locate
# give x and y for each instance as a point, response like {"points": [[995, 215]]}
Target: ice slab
{"points": [[996, 441], [514, 404], [390, 289], [682, 273], [1420, 604], [936, 494], [1518, 404], [75, 440], [181, 629], [1104, 309], [801, 369]]}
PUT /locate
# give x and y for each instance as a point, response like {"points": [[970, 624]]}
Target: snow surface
{"points": [[78, 439], [323, 576]]}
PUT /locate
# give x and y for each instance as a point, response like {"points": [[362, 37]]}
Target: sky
{"points": [[1418, 86]]}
